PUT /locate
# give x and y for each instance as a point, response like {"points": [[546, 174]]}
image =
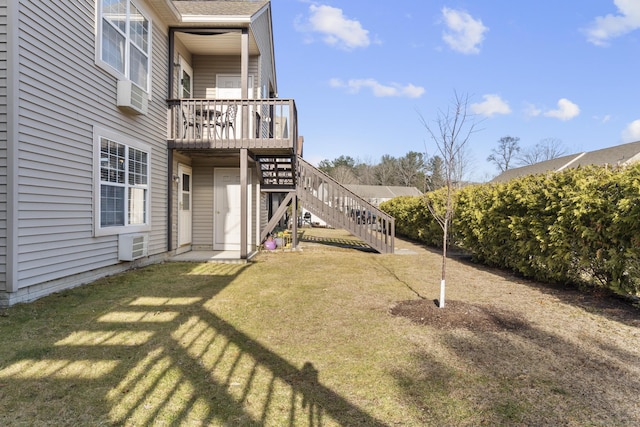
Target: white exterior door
{"points": [[227, 209], [184, 205]]}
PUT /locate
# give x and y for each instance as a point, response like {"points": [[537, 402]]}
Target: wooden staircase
{"points": [[324, 197], [276, 173]]}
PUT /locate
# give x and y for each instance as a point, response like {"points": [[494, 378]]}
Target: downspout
{"points": [[244, 79], [169, 150], [13, 117], [244, 205], [170, 184]]}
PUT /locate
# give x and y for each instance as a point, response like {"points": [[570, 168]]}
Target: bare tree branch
{"points": [[546, 149], [508, 147]]}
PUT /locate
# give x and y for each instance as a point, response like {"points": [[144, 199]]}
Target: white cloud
{"points": [[464, 33], [336, 83], [532, 111], [337, 30], [611, 26], [632, 132], [491, 106], [378, 89], [567, 110]]}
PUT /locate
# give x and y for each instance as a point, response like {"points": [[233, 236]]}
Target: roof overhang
{"points": [[217, 20], [166, 10], [227, 41]]}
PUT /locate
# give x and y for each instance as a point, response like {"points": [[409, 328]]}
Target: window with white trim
{"points": [[124, 40], [122, 184]]}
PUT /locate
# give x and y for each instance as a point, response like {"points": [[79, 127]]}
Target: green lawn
{"points": [[305, 338]]}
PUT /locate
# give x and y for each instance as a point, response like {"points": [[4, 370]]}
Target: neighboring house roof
{"points": [[615, 156], [382, 191], [536, 168]]}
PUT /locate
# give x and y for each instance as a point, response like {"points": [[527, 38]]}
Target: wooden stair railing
{"points": [[341, 208], [326, 198]]}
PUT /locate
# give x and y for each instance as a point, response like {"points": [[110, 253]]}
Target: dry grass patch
{"points": [[318, 337]]}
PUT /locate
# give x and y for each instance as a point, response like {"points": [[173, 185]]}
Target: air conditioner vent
{"points": [[132, 98], [132, 246]]}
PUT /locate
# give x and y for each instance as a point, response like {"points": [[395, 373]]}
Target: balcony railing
{"points": [[232, 123]]}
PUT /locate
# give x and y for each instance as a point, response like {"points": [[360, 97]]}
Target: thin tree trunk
{"points": [[444, 264]]}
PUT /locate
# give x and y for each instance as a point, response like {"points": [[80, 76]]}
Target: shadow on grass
{"points": [[346, 243], [520, 374], [405, 283], [154, 352], [601, 301]]}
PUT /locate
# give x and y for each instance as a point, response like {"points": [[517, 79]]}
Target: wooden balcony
{"points": [[261, 125]]}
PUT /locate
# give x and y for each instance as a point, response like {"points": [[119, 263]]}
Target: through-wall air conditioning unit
{"points": [[132, 98], [132, 246]]}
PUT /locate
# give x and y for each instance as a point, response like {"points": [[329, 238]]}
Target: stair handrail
{"points": [[381, 238]]}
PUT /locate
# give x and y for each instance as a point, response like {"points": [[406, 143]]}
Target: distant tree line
{"points": [[412, 170], [426, 173]]}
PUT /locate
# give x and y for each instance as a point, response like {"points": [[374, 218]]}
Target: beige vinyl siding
{"points": [[202, 235], [3, 145], [261, 28], [155, 130], [63, 95], [206, 68]]}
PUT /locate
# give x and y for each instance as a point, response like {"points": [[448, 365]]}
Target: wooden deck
{"points": [[260, 125]]}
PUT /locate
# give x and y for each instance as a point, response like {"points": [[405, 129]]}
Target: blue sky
{"points": [[363, 72]]}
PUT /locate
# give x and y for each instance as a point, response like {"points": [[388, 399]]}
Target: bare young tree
{"points": [[451, 131], [502, 156], [546, 149]]}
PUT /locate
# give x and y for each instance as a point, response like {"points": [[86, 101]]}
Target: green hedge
{"points": [[578, 226], [413, 219]]}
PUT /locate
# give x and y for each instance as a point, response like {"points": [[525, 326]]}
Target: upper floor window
{"points": [[125, 39]]}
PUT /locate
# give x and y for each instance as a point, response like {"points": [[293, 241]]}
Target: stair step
{"points": [[276, 172]]}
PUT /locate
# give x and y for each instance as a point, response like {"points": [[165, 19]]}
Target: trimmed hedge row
{"points": [[578, 226]]}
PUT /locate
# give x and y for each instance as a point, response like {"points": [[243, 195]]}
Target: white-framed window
{"points": [[122, 178], [124, 40], [186, 79], [229, 86]]}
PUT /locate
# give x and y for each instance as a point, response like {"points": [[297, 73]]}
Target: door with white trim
{"points": [[227, 210], [184, 205]]}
